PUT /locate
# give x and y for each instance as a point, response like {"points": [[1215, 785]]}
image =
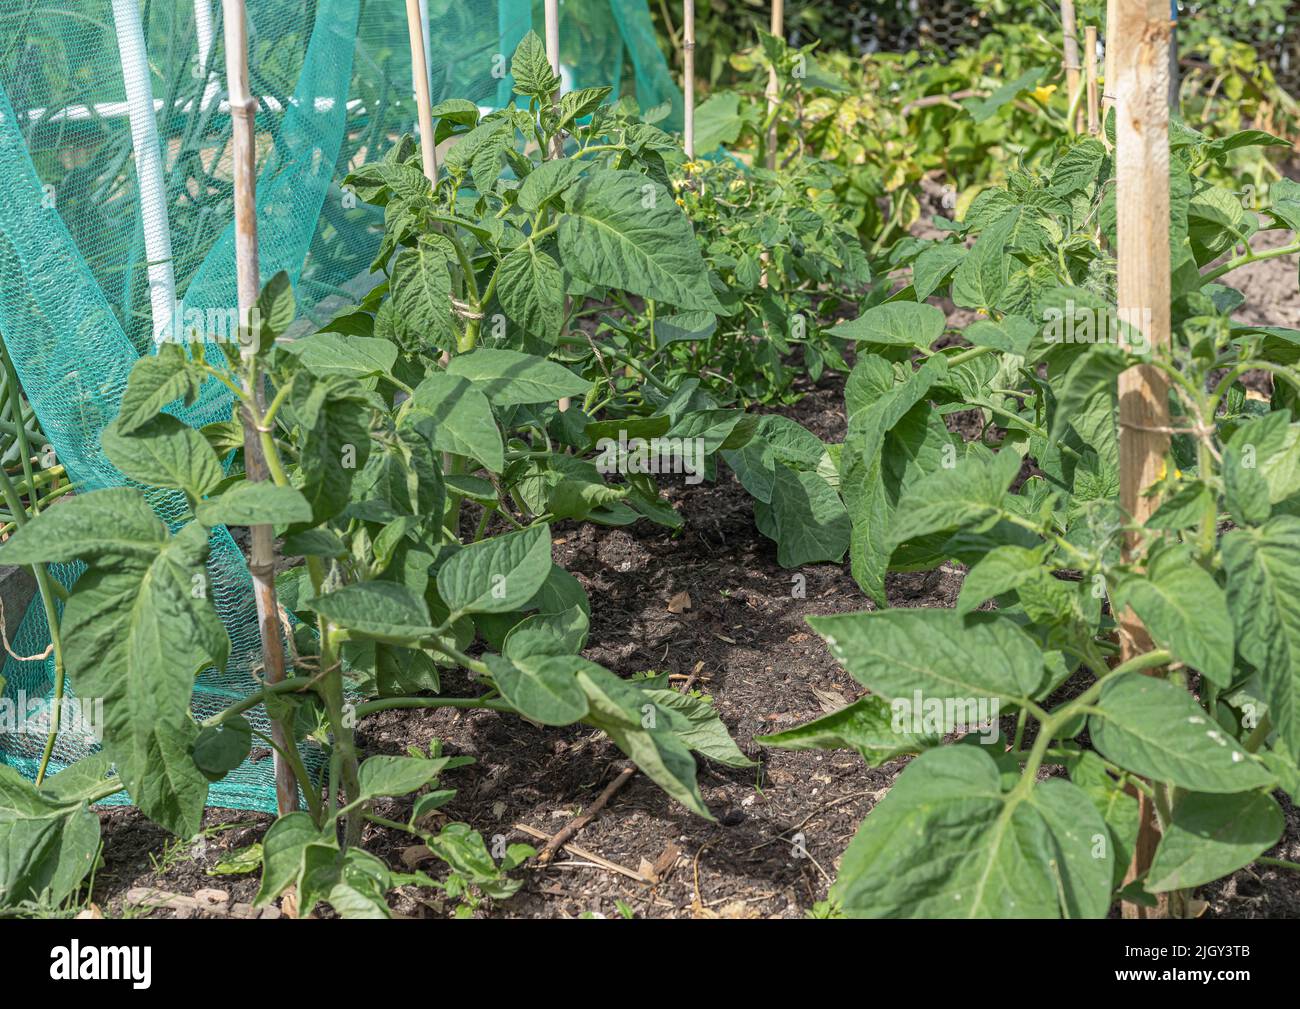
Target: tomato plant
{"points": [[1031, 506]]}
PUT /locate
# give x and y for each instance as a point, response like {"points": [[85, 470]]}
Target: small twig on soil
{"points": [[591, 856], [585, 817], [690, 680]]}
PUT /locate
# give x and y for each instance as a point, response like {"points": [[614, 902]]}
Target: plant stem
{"points": [[1250, 256]]}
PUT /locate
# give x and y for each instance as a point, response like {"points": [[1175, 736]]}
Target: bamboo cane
{"points": [[243, 110], [1070, 33], [773, 84], [1090, 69], [1138, 44], [688, 75], [552, 13], [423, 100]]}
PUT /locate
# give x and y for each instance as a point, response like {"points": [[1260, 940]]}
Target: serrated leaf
{"points": [[897, 652], [164, 453], [894, 324], [1263, 568], [867, 726], [1152, 727], [156, 382], [623, 231], [509, 378], [530, 287], [456, 417], [1184, 610]]}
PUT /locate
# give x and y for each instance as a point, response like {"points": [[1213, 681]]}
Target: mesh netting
{"points": [[117, 217]]}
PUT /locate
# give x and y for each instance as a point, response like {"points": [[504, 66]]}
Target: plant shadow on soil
{"points": [[765, 670]]}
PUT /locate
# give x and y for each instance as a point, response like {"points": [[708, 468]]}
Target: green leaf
{"points": [[218, 750], [575, 105], [541, 687], [970, 495], [135, 634], [282, 854], [456, 417], [530, 287], [421, 290], [531, 69], [156, 382], [385, 775], [810, 521], [1002, 569], [1260, 463], [981, 109], [385, 611], [894, 324], [1212, 836], [866, 725], [1263, 568], [1154, 728], [933, 267], [334, 440], [560, 633], [47, 845], [664, 758], [164, 453], [250, 504], [497, 575], [509, 378], [946, 842], [898, 652], [982, 276], [357, 357], [1078, 168], [1093, 373], [547, 181], [115, 522], [624, 231], [1184, 610], [705, 733], [274, 311]]}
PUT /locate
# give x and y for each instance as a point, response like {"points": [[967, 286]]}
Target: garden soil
{"points": [[742, 640]]}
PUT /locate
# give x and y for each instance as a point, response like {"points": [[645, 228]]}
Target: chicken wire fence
{"points": [[117, 221]]}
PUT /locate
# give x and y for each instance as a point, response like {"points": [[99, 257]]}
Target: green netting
{"points": [[99, 256]]}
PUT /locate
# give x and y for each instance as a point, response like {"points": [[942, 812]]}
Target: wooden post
{"points": [[688, 75], [1108, 71], [1139, 47], [1175, 79], [773, 84], [423, 100], [243, 112], [1070, 32], [1090, 77]]}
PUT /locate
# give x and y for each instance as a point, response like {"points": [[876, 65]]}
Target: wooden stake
{"points": [[1070, 31], [1090, 73], [423, 99], [1139, 48], [688, 75], [243, 111], [552, 12], [773, 84], [553, 54]]}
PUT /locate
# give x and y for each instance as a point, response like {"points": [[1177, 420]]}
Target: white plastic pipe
{"points": [[148, 165], [206, 30]]}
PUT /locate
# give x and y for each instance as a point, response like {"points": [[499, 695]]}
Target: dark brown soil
{"points": [[745, 634]]}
